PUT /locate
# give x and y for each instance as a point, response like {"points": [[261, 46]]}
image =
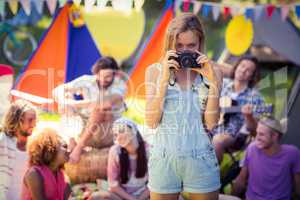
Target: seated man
{"points": [[241, 90], [270, 170], [97, 98], [104, 88]]}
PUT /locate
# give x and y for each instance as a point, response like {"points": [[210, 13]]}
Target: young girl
{"points": [[44, 178], [182, 103], [127, 164]]}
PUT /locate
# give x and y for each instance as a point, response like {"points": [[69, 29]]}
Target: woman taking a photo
{"points": [[182, 102]]}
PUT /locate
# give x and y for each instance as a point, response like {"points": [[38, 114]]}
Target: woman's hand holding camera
{"points": [[168, 64], [213, 74]]}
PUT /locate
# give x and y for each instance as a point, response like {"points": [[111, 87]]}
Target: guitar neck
{"points": [[233, 109], [238, 109]]}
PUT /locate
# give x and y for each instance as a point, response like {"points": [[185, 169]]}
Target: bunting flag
{"points": [[235, 10], [138, 4], [39, 5], [270, 9], [65, 52], [186, 6], [249, 13], [89, 5], [101, 3], [62, 3], [258, 11], [151, 52], [77, 2], [122, 5], [216, 12], [285, 12], [226, 12], [197, 7], [297, 10], [206, 9], [51, 6], [13, 5], [26, 6], [2, 9]]}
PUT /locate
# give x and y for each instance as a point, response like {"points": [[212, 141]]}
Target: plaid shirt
{"points": [[246, 96]]}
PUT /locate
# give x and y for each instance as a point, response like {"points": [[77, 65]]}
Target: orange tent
{"points": [[151, 53]]}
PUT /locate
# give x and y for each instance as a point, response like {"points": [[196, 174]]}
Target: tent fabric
{"points": [[151, 53], [64, 53], [83, 52], [280, 35]]}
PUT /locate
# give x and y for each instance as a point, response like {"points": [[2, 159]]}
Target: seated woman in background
{"points": [[44, 178], [127, 164]]}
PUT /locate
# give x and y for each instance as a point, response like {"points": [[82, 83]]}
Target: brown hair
{"points": [[14, 117], [42, 146], [255, 75], [183, 23], [105, 63]]}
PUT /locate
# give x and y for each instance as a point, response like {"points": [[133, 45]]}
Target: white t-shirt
{"points": [[20, 166], [87, 86]]}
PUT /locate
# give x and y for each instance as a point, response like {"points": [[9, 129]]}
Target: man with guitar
{"points": [[242, 93]]}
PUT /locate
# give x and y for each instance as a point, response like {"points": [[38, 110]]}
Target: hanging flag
{"points": [[26, 6], [235, 10], [226, 12], [51, 6], [186, 5], [77, 2], [178, 4], [101, 4], [13, 5], [138, 4], [122, 5], [297, 10], [216, 12], [2, 9], [258, 11], [270, 9], [88, 4], [249, 13], [197, 7], [39, 5], [285, 9], [61, 3], [206, 9]]}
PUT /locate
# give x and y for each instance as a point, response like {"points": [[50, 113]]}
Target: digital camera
{"points": [[187, 59]]}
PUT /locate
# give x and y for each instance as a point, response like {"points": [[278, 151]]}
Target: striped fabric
{"points": [[7, 156]]}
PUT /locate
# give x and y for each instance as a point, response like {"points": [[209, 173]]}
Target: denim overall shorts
{"points": [[182, 157]]}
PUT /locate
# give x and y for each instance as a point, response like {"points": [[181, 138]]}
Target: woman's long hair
{"points": [[141, 167], [182, 23], [255, 75], [14, 116]]}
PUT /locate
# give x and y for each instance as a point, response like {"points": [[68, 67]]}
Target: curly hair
{"points": [[14, 117], [43, 146]]}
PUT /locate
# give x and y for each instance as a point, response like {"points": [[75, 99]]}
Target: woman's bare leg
{"points": [[158, 196], [204, 196]]}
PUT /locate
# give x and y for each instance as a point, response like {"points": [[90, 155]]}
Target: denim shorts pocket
{"points": [[155, 158], [210, 160]]}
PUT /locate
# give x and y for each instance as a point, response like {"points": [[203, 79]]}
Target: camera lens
{"points": [[186, 61]]}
